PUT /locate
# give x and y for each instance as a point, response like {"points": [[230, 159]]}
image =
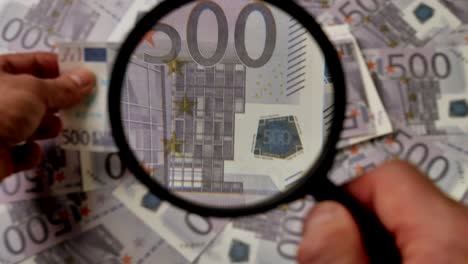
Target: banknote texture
{"points": [[108, 242], [32, 226]]}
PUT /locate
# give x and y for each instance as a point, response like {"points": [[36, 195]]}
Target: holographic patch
{"points": [[277, 137], [423, 13], [459, 108], [150, 202], [239, 251]]}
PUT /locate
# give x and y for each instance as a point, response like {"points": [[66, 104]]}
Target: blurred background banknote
{"points": [[404, 63]]}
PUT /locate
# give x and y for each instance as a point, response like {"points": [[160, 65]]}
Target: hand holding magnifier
{"points": [[238, 119]]}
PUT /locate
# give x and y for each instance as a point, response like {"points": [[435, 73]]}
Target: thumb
{"points": [[331, 236], [68, 89], [428, 226]]}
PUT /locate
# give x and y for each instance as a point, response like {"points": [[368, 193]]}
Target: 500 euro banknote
{"points": [[86, 126]]}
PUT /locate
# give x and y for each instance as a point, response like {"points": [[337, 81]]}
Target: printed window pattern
{"points": [[207, 132]]}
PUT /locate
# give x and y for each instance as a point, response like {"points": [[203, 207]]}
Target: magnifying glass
{"points": [[228, 108]]}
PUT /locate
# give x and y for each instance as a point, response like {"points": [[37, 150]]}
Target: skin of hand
{"points": [[428, 226], [32, 90]]}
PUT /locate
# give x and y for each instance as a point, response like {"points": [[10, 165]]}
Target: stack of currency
{"points": [[408, 99]]}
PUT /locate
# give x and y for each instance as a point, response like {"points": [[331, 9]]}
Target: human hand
{"points": [[428, 226], [31, 92]]}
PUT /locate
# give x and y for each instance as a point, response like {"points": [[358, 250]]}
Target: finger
{"points": [[49, 127], [39, 64], [390, 187], [330, 236], [422, 218], [68, 89], [19, 158]]}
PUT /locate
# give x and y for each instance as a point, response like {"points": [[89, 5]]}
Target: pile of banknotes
{"points": [[404, 62]]}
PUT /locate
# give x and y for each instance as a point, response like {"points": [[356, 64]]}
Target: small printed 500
{"points": [[75, 138]]}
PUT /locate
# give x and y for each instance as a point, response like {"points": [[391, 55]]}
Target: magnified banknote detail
{"points": [[214, 107]]}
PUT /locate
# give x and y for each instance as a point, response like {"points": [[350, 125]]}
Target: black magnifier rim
{"points": [[320, 168]]}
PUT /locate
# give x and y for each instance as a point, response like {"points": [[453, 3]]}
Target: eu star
{"points": [[172, 145], [174, 66], [185, 105]]}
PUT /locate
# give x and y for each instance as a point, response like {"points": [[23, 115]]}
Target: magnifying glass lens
{"points": [[227, 103]]}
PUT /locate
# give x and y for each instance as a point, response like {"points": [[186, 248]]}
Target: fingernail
{"points": [[322, 214], [82, 77]]}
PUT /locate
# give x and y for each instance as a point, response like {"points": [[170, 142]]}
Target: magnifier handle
{"points": [[378, 241]]}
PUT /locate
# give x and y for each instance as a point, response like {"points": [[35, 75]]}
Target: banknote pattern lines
{"points": [[143, 117], [421, 110], [297, 57], [53, 14], [206, 132], [97, 238], [393, 27], [316, 7]]}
